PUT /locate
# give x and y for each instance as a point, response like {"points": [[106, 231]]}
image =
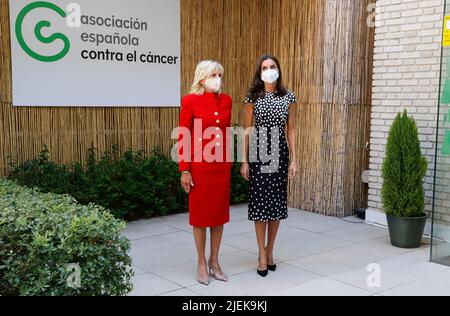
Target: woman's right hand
{"points": [[186, 182], [245, 171]]}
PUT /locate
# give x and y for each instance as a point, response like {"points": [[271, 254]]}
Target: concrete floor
{"points": [[316, 255]]}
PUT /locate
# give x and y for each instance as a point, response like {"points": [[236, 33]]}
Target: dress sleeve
{"points": [[291, 98], [186, 121], [248, 100]]}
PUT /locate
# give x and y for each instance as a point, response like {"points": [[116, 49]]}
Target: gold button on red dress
{"points": [[207, 116]]}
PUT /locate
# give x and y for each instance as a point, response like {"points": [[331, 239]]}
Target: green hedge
{"points": [[44, 236], [131, 185]]}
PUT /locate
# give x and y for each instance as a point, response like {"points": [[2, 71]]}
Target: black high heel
{"points": [[263, 273], [271, 267]]}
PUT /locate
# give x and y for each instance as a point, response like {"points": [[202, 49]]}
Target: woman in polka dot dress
{"points": [[269, 154]]}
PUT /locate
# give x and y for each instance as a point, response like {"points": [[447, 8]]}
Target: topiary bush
{"points": [[403, 170], [51, 245]]}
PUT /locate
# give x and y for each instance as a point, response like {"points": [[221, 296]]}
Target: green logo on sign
{"points": [[38, 32]]}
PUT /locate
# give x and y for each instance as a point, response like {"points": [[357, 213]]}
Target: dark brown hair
{"points": [[257, 90]]}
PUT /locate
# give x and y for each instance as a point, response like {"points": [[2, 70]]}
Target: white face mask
{"points": [[270, 76], [213, 84]]}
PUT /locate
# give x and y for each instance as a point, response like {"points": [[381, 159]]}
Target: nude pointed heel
{"points": [[217, 275]]}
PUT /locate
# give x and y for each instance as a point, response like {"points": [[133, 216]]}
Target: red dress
{"points": [[206, 153]]}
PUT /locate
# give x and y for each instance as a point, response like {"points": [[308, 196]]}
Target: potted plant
{"points": [[402, 193]]}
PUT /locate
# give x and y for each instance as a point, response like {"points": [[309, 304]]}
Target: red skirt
{"points": [[209, 199]]}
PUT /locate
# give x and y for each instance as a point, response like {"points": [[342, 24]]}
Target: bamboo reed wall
{"points": [[325, 48]]}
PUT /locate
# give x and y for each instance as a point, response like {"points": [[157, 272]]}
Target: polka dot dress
{"points": [[269, 158]]}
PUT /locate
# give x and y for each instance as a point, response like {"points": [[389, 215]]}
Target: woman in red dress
{"points": [[205, 164]]}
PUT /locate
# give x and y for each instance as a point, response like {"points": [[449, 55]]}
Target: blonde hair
{"points": [[205, 69]]}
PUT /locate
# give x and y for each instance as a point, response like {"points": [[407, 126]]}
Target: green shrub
{"points": [[131, 185], [239, 187], [41, 173], [403, 170], [41, 235]]}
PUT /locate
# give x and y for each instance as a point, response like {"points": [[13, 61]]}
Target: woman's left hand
{"points": [[293, 170]]}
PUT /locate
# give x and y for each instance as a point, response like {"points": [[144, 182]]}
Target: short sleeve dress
{"points": [[269, 158]]}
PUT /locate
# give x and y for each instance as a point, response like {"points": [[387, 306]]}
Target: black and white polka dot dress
{"points": [[269, 158]]}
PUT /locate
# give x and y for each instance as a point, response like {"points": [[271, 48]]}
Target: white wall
{"points": [[406, 76]]}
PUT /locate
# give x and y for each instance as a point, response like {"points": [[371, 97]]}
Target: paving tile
{"points": [[358, 233], [150, 285], [145, 229], [251, 284], [393, 272], [435, 285], [287, 249], [323, 287], [341, 259]]}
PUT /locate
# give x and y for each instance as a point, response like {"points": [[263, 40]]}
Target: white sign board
{"points": [[95, 52]]}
